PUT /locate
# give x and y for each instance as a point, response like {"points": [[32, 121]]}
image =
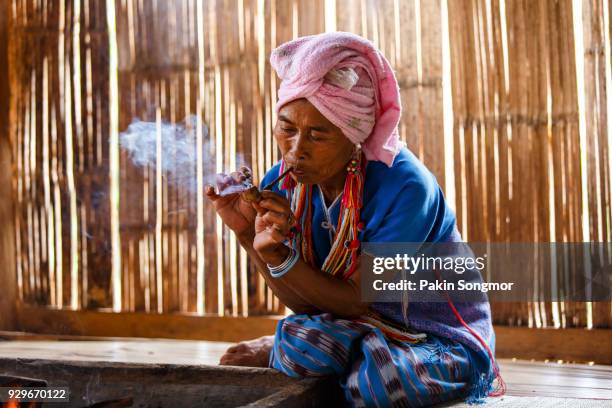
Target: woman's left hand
{"points": [[273, 221]]}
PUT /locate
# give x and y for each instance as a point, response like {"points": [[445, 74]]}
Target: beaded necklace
{"points": [[343, 255]]}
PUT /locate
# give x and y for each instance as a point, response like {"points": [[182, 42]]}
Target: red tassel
{"points": [[287, 183], [346, 193]]}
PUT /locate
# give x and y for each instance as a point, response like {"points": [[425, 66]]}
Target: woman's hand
{"points": [[252, 353], [237, 213], [273, 221]]}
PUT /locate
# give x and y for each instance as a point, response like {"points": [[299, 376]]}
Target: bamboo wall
{"points": [[506, 102], [530, 130]]}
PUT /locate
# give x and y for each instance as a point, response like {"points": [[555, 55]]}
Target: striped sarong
{"points": [[373, 370]]}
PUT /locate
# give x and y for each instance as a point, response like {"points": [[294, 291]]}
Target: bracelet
{"points": [[283, 268]]}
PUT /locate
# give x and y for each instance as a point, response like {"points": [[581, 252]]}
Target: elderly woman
{"points": [[353, 181]]}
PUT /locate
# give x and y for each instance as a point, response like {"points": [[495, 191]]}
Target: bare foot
{"points": [[251, 353]]}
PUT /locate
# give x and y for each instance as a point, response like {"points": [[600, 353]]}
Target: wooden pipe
{"points": [[253, 194]]}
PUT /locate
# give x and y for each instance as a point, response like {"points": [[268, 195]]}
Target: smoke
{"points": [[178, 151]]}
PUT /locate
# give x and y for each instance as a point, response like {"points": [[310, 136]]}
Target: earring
{"points": [[355, 163]]}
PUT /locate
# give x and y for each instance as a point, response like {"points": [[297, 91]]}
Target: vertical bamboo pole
{"points": [[114, 156], [200, 245], [584, 164], [7, 231], [430, 88], [159, 213], [458, 15], [447, 102]]}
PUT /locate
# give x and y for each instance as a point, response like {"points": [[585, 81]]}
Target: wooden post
{"points": [[7, 233]]}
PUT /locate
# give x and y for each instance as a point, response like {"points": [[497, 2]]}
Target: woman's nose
{"points": [[299, 148]]}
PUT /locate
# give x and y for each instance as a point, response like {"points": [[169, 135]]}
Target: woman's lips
{"points": [[298, 171]]}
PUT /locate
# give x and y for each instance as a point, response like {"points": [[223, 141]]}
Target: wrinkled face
{"points": [[316, 148]]}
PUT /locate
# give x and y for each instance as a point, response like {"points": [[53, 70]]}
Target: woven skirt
{"points": [[375, 371]]}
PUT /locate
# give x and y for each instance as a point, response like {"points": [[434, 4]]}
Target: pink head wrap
{"points": [[350, 82]]}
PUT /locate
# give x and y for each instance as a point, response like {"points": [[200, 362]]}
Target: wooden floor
{"points": [[548, 383], [119, 351]]}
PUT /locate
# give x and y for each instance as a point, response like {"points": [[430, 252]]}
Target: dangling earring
{"points": [[343, 259], [354, 181], [355, 162]]}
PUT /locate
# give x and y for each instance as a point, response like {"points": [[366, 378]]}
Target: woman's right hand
{"points": [[237, 213]]}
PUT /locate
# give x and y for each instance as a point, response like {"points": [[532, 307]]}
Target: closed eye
{"points": [[318, 137]]}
